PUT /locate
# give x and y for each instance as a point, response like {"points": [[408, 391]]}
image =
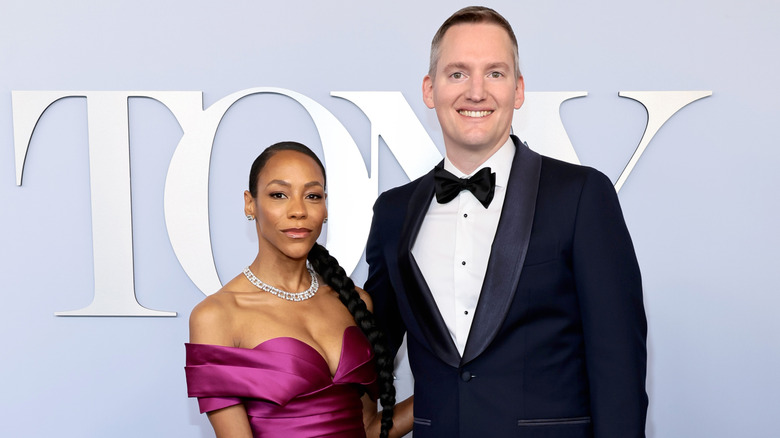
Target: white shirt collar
{"points": [[500, 163]]}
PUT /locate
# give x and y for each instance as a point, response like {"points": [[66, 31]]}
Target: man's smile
{"points": [[476, 114]]}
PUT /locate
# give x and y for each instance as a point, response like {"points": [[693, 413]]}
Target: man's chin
{"points": [[477, 143]]}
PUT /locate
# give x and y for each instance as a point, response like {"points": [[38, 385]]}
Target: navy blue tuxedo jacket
{"points": [[557, 344]]}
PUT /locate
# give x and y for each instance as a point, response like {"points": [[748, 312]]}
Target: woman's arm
{"points": [[403, 418], [210, 324], [230, 422]]}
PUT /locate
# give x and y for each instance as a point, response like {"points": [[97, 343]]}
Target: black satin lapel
{"points": [[423, 306], [508, 251]]}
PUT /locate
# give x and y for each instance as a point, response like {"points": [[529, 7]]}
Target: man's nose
{"points": [[476, 90]]}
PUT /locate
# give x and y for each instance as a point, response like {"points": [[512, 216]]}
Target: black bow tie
{"points": [[482, 185]]}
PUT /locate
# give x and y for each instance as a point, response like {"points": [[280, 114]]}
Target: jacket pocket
{"points": [[422, 421], [553, 421], [541, 250]]}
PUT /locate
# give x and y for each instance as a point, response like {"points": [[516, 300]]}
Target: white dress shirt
{"points": [[453, 246]]}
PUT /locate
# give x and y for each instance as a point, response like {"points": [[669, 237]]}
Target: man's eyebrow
{"points": [[463, 66], [456, 65], [499, 64]]}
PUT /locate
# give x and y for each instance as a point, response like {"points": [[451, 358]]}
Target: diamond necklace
{"points": [[289, 296]]}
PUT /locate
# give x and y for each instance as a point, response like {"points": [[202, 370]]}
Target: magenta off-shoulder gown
{"points": [[286, 385]]}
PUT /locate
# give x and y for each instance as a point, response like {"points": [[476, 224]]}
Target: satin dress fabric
{"points": [[286, 386]]}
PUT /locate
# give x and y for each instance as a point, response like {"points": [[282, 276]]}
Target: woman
{"points": [[277, 351]]}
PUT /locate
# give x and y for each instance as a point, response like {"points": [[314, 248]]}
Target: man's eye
{"points": [[495, 75], [457, 75]]}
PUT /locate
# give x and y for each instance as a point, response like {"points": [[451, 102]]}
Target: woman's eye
{"points": [[277, 195], [314, 196]]}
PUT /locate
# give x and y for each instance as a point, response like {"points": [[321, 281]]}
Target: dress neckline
{"points": [[311, 347], [304, 344]]}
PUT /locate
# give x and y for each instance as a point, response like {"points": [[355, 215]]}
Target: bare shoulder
{"points": [[213, 308], [210, 320], [366, 299]]}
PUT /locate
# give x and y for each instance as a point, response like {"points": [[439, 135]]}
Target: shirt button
{"points": [[465, 215], [463, 263], [465, 312]]}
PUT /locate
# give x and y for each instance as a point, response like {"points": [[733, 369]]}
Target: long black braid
{"points": [[333, 274]]}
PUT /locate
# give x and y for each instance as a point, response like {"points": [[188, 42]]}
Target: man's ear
{"points": [[427, 89], [519, 93]]}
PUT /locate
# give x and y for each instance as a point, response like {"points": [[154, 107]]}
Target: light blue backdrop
{"points": [[701, 204]]}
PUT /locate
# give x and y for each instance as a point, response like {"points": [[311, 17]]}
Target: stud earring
{"points": [[325, 221], [249, 217]]}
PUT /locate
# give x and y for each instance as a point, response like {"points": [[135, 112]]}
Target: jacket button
{"points": [[465, 376]]}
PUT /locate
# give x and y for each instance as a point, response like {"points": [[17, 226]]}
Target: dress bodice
{"points": [[285, 385]]}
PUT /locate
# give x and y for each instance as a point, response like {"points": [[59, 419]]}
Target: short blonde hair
{"points": [[472, 15]]}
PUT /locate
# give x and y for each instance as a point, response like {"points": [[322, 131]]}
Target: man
{"points": [[522, 301]]}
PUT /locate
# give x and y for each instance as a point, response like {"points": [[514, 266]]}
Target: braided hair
{"points": [[334, 275]]}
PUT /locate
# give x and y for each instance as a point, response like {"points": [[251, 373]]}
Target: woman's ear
{"points": [[249, 204]]}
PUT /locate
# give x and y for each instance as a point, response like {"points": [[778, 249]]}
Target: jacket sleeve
{"points": [[382, 245], [609, 289]]}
